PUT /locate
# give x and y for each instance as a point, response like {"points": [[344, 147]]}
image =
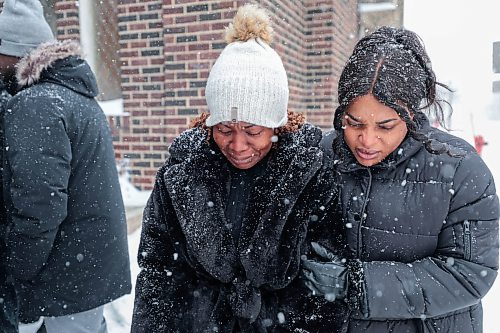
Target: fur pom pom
{"points": [[251, 21]]}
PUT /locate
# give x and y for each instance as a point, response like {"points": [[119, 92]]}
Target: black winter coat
{"points": [[67, 236], [423, 231], [195, 276], [8, 305]]}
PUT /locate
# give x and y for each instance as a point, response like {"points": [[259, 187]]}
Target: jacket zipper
{"points": [[467, 240], [362, 217]]}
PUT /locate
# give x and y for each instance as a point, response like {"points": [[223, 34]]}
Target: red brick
{"points": [[215, 37], [150, 173], [197, 102], [141, 147], [137, 26], [131, 139], [198, 27], [209, 55], [157, 61], [134, 9], [186, 19], [151, 139], [139, 180], [162, 123], [198, 47], [173, 10]]}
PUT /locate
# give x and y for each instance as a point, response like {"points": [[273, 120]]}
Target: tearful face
{"points": [[243, 144]]}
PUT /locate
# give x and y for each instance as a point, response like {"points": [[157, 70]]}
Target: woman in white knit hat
{"points": [[224, 226]]}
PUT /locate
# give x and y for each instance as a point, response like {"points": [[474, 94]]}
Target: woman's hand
{"points": [[327, 278]]}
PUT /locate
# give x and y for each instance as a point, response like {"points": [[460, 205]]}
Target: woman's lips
{"points": [[367, 154], [240, 160]]}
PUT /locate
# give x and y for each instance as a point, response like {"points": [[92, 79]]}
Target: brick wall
{"points": [[168, 47], [331, 34], [193, 36], [143, 137], [67, 22], [289, 42]]}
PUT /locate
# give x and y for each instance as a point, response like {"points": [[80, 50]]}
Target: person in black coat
{"points": [[418, 206], [66, 230], [8, 306], [223, 229]]}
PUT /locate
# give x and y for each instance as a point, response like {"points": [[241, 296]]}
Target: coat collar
{"points": [[196, 183]]}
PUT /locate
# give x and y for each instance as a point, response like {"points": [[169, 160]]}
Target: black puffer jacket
{"points": [[8, 306], [67, 237], [195, 276], [423, 230]]}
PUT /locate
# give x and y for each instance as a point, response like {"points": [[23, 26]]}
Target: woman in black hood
{"points": [[418, 205]]}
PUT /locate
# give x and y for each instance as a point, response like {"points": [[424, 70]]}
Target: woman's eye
{"points": [[386, 128], [355, 125], [224, 131], [254, 133]]}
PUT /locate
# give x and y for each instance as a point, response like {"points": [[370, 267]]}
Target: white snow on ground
{"points": [[132, 197], [119, 313], [113, 107]]}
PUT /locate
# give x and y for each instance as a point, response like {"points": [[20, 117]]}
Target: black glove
{"points": [[327, 278]]}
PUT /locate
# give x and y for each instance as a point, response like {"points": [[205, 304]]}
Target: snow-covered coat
{"points": [[195, 276], [8, 305], [67, 229], [423, 230]]}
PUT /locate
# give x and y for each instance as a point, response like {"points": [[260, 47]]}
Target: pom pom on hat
{"points": [[248, 81], [250, 22], [22, 27]]}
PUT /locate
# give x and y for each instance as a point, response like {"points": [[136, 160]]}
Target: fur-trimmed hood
{"points": [[58, 62]]}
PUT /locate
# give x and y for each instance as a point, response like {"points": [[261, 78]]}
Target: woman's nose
{"points": [[238, 143], [368, 137]]}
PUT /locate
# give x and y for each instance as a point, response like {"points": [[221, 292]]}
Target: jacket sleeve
{"points": [[461, 271], [164, 280], [38, 154]]}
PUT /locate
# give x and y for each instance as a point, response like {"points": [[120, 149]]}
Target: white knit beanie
{"points": [[22, 27], [248, 81]]}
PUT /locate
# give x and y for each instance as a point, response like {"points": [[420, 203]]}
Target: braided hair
{"points": [[393, 66]]}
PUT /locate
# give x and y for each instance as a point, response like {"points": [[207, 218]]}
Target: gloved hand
{"points": [[327, 278]]}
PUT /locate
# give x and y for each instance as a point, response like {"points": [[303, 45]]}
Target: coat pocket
{"points": [[467, 241]]}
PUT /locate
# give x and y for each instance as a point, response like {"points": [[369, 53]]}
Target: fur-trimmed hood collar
{"points": [[58, 62]]}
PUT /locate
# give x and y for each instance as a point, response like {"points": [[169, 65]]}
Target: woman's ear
{"points": [[343, 121], [411, 114]]}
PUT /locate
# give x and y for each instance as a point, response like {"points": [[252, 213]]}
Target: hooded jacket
{"points": [[422, 235], [195, 275], [8, 306], [67, 230]]}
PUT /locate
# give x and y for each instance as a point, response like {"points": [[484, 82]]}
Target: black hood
{"points": [[59, 63], [74, 73]]}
